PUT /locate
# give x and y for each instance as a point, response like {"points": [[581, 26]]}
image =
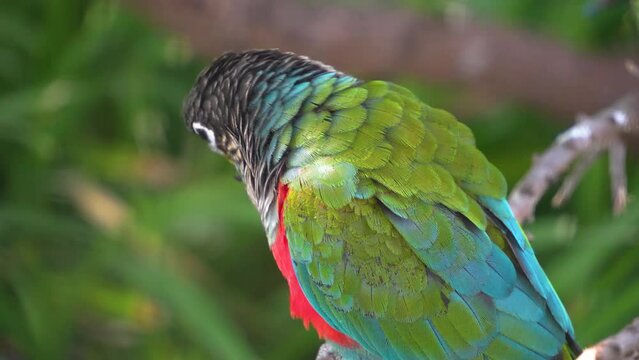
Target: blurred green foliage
{"points": [[121, 235]]}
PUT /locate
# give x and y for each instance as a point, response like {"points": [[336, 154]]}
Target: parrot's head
{"points": [[240, 105]]}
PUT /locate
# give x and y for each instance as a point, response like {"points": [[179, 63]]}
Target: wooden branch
{"points": [[581, 144], [326, 352], [623, 346], [490, 61]]}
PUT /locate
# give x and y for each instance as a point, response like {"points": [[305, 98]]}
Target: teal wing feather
{"points": [[399, 234], [526, 259]]}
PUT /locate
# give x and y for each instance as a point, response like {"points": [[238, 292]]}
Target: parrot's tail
{"points": [[571, 350]]}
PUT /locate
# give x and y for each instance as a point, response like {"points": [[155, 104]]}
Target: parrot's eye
{"points": [[202, 134], [207, 134]]}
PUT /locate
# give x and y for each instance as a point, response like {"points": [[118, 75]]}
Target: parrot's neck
{"points": [[264, 197], [274, 104]]}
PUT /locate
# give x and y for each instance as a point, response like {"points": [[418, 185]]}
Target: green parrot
{"points": [[391, 228]]}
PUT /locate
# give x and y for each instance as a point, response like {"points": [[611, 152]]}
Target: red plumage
{"points": [[300, 306]]}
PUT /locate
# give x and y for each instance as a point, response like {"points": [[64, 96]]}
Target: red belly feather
{"points": [[300, 307]]}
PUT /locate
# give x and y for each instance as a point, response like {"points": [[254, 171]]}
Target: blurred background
{"points": [[121, 235]]}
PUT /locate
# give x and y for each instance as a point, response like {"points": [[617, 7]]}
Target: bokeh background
{"points": [[122, 236]]}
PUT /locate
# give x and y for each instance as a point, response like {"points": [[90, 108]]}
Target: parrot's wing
{"points": [[391, 242], [526, 259], [363, 269]]}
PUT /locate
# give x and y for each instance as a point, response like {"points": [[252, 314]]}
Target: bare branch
{"points": [[618, 184], [572, 180], [326, 352], [622, 346], [603, 130]]}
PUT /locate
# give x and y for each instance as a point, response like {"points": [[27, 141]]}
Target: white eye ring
{"points": [[210, 135]]}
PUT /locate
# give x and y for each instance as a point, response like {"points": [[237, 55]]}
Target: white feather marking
{"points": [[210, 135]]}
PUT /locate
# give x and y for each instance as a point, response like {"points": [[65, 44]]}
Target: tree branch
{"points": [[624, 345], [491, 61], [581, 144], [326, 352]]}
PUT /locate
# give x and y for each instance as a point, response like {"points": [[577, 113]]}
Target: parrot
{"points": [[390, 227]]}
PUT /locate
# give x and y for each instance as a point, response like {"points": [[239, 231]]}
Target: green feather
{"points": [[346, 99]]}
